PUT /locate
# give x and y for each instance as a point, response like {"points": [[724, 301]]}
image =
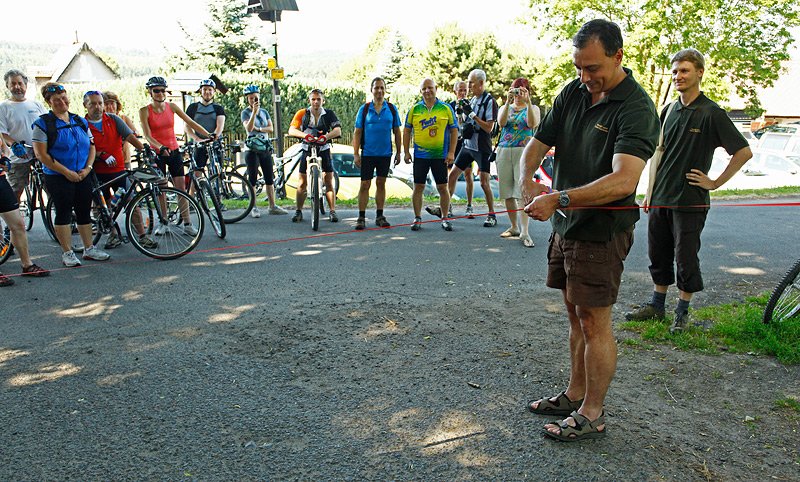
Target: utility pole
{"points": [[270, 11]]}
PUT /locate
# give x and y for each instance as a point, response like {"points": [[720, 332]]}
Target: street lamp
{"points": [[270, 11]]}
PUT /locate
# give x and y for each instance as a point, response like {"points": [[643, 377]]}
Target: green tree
{"points": [[744, 42], [227, 42]]}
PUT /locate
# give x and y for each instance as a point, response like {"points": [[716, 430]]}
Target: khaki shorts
{"points": [[508, 171], [19, 175], [589, 271]]}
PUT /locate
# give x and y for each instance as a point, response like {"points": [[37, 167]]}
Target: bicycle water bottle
{"points": [[117, 196]]}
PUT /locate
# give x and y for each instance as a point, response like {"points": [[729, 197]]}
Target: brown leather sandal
{"points": [[583, 429], [562, 405]]}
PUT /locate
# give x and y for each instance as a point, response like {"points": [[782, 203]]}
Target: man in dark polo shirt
{"points": [[604, 127], [693, 128]]}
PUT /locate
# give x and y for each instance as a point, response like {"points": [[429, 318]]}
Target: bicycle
{"points": [[280, 176], [784, 303], [233, 191], [33, 198], [143, 211], [203, 193]]}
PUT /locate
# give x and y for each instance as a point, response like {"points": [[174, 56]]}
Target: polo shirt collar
{"points": [[698, 102], [620, 92]]}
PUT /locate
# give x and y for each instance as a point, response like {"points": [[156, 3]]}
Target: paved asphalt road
{"points": [[89, 334]]}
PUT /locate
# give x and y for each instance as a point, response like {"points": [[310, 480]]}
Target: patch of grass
{"points": [[735, 327], [749, 193], [788, 403]]}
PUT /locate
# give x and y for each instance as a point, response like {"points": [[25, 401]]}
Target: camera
{"points": [[468, 131], [515, 90]]}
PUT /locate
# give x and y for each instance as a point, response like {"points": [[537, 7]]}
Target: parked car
{"points": [[766, 162], [349, 175], [783, 137]]}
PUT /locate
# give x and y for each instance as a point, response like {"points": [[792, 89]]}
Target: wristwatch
{"points": [[563, 199]]}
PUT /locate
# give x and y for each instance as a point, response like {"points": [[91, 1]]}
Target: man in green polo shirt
{"points": [[693, 128], [604, 127]]}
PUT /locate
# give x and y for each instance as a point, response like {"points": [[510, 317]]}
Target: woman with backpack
{"points": [[63, 143]]}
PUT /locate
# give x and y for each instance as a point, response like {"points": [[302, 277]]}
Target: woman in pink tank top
{"points": [[158, 127]]}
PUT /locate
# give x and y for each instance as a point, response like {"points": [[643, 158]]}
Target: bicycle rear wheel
{"points": [[316, 204], [785, 300], [235, 195], [26, 208], [176, 241], [210, 204], [5, 241], [50, 217]]}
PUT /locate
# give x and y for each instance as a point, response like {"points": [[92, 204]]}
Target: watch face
{"points": [[563, 199]]}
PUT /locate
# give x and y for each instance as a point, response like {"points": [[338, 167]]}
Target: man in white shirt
{"points": [[16, 116]]}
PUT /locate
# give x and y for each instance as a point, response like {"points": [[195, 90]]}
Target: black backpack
{"points": [[364, 112], [51, 130]]}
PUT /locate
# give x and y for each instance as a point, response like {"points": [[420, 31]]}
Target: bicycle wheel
{"points": [[241, 171], [316, 205], [50, 217], [210, 204], [5, 241], [176, 241], [236, 195], [26, 208], [785, 300]]}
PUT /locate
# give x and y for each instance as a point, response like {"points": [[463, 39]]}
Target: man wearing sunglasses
{"points": [[17, 115], [110, 132]]}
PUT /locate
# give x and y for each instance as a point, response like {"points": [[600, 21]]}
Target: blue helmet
{"points": [[155, 82], [251, 89], [207, 82]]}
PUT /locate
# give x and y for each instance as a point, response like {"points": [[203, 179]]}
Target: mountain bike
{"points": [[201, 188], [232, 189], [281, 177], [143, 212], [33, 198], [785, 300]]}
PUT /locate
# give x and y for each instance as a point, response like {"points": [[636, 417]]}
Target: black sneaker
{"points": [[680, 322], [491, 221], [334, 218], [417, 224], [360, 224], [298, 216]]}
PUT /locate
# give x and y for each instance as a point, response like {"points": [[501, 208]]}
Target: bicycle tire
{"points": [[48, 215], [241, 170], [27, 210], [784, 303], [173, 244], [316, 205], [212, 210], [236, 196], [5, 241], [77, 242]]}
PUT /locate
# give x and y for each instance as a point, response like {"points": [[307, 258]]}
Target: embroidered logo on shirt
{"points": [[425, 123], [601, 128], [695, 130]]}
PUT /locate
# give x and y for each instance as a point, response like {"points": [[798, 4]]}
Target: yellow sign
{"points": [[277, 74], [271, 63]]}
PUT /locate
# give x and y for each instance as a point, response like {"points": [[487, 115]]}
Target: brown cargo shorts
{"points": [[589, 271], [19, 175]]}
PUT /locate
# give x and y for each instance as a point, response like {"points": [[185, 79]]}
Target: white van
{"points": [[782, 137]]}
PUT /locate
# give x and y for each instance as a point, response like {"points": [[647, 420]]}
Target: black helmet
{"points": [[155, 82]]}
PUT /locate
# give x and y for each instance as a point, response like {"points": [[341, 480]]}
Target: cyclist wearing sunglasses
{"points": [[109, 133], [158, 127], [316, 121], [63, 142]]}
